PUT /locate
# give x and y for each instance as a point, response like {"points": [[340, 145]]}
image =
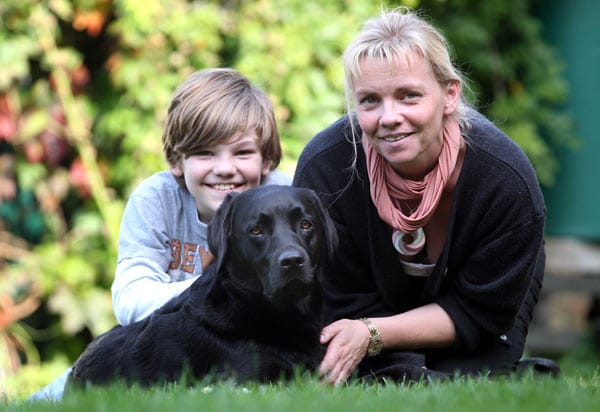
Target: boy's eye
{"points": [[246, 152], [203, 153]]}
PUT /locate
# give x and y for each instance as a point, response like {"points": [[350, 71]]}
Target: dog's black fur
{"points": [[255, 314]]}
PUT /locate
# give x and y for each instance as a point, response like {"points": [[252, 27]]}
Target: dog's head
{"points": [[271, 241]]}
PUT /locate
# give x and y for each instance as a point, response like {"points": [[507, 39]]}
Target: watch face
{"points": [[374, 347]]}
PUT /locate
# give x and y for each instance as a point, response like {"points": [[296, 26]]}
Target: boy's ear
{"points": [[266, 168], [175, 170]]}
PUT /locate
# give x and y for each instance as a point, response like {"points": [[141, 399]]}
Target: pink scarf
{"points": [[388, 188]]}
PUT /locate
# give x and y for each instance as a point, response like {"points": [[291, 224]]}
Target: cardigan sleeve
{"points": [[484, 298]]}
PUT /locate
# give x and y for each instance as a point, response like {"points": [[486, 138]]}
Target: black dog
{"points": [[255, 314]]}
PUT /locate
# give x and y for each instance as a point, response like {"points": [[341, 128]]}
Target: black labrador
{"points": [[256, 313]]}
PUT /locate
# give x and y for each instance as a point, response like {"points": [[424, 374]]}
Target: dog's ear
{"points": [[329, 230], [219, 229]]}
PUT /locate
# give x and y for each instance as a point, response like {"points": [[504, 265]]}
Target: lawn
{"points": [[577, 389], [530, 393]]}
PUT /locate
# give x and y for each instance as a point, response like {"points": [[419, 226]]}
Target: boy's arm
{"points": [[155, 214], [140, 287]]}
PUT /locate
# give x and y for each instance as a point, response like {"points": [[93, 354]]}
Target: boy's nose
{"points": [[224, 166]]}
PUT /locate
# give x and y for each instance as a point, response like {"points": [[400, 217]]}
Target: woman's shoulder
{"points": [[494, 158], [334, 142], [488, 140], [332, 163]]}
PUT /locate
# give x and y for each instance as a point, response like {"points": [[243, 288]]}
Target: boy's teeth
{"points": [[224, 187]]}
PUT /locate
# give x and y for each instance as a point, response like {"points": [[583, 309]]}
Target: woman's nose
{"points": [[390, 114]]}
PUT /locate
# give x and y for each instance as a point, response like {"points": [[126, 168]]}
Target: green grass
{"points": [[577, 389], [529, 393]]}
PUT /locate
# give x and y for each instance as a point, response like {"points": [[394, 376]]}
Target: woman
{"points": [[439, 214]]}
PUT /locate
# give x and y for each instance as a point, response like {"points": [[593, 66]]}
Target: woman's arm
{"points": [[427, 326]]}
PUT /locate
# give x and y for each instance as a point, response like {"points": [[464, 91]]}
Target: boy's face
{"points": [[210, 175]]}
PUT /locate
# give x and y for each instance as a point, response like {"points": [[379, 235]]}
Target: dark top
{"points": [[495, 235]]}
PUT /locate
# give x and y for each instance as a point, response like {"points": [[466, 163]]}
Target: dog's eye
{"points": [[305, 224], [255, 230]]}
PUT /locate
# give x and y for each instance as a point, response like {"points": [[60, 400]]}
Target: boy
{"points": [[220, 136]]}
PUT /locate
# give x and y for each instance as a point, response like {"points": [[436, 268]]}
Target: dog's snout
{"points": [[291, 258]]}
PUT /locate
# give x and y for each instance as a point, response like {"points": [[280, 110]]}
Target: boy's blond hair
{"points": [[210, 107]]}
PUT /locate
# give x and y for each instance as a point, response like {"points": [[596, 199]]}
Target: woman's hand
{"points": [[347, 346], [428, 326]]}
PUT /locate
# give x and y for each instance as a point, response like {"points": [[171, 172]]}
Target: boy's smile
{"points": [[224, 187]]}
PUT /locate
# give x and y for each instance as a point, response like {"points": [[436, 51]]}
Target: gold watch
{"points": [[375, 341]]}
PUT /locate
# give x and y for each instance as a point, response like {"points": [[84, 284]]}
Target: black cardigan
{"points": [[491, 252]]}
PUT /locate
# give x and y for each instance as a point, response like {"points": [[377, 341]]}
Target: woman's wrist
{"points": [[375, 342]]}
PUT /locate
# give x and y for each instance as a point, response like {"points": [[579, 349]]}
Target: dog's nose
{"points": [[291, 258]]}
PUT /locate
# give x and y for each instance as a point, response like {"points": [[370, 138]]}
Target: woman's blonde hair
{"points": [[398, 34], [210, 107]]}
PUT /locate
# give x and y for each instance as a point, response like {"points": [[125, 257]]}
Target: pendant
{"points": [[412, 248]]}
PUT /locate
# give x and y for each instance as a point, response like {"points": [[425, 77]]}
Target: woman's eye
{"points": [[368, 100], [255, 231], [305, 224], [411, 95]]}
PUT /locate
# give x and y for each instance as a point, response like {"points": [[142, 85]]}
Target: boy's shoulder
{"points": [[160, 182], [276, 177]]}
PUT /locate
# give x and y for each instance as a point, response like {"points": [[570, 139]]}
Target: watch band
{"points": [[375, 341]]}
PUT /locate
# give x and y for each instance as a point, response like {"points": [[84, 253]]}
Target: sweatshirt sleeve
{"points": [[142, 280], [140, 287]]}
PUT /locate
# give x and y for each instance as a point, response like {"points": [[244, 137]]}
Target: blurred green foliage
{"points": [[84, 88]]}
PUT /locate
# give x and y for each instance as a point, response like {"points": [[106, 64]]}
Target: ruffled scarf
{"points": [[389, 189]]}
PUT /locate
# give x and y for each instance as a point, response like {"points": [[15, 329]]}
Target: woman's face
{"points": [[400, 108]]}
